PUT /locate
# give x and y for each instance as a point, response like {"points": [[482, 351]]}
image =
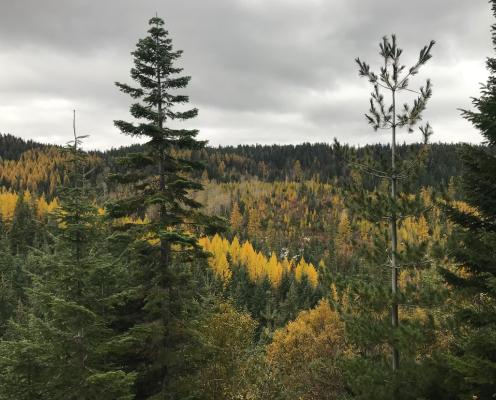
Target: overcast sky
{"points": [[263, 71]]}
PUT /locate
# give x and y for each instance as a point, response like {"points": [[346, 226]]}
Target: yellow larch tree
{"points": [[316, 335], [8, 202], [274, 270], [305, 269], [343, 240], [253, 228], [235, 251], [236, 219], [256, 264], [220, 265]]}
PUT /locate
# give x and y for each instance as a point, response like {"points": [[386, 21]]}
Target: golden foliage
{"points": [[236, 219], [257, 265], [227, 335], [315, 338], [343, 243], [306, 269], [39, 170], [9, 199]]}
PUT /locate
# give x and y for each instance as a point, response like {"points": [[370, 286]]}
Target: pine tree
{"points": [[472, 361], [373, 324], [163, 247]]}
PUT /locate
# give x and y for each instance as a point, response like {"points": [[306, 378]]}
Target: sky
{"points": [[263, 71]]}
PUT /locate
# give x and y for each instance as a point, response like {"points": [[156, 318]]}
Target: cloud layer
{"points": [[264, 71]]}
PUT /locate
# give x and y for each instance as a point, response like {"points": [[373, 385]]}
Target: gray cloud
{"points": [[266, 71]]}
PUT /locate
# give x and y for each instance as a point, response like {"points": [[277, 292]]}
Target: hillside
{"points": [[327, 163]]}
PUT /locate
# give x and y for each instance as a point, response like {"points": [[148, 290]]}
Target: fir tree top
{"points": [[156, 74]]}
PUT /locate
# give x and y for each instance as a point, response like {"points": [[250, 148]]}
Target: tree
{"points": [[236, 219], [382, 117], [315, 340], [472, 360], [163, 247], [297, 171], [58, 345], [13, 279], [342, 242], [227, 336], [368, 325], [254, 224], [23, 228]]}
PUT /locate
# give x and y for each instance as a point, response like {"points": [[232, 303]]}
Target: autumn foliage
{"points": [[256, 263]]}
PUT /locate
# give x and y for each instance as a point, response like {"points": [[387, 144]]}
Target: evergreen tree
{"points": [[23, 229], [373, 323], [472, 361], [13, 280], [58, 344], [163, 247]]}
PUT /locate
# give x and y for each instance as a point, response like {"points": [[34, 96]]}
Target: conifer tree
{"points": [[472, 361], [374, 324], [58, 344], [13, 279], [23, 228], [162, 247], [236, 219]]}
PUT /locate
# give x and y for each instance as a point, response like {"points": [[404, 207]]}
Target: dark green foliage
{"points": [[472, 363], [57, 346], [266, 162], [164, 254], [271, 307], [13, 280], [24, 226], [390, 320], [11, 147], [323, 160]]}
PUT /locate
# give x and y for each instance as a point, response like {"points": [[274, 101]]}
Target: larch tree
{"points": [[236, 218], [315, 340]]}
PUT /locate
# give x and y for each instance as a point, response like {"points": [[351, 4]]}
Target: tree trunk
{"points": [[394, 239]]}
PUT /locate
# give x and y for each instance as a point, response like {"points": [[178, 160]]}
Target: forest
{"points": [[171, 269]]}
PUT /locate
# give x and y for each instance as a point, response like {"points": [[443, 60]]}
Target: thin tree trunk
{"points": [[164, 251], [394, 239], [164, 244]]}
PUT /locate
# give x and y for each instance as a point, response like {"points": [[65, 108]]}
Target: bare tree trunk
{"points": [[394, 239]]}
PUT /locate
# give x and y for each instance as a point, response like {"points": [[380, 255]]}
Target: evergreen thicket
{"points": [[57, 343]]}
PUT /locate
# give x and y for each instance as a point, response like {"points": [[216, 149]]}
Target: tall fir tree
{"points": [[164, 247], [472, 361]]}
